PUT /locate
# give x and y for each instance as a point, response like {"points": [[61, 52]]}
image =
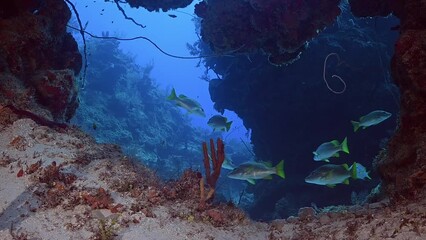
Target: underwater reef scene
{"points": [[307, 120], [131, 112], [289, 109]]}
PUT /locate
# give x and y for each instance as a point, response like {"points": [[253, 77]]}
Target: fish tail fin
{"points": [[172, 95], [280, 169], [228, 125], [368, 176], [344, 145], [355, 124], [353, 170]]}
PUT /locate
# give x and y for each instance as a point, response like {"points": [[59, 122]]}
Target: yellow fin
{"points": [[280, 169], [346, 181]]}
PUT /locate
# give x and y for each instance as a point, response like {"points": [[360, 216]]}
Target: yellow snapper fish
{"points": [[332, 174], [219, 122], [185, 102], [250, 171], [330, 149], [371, 119]]}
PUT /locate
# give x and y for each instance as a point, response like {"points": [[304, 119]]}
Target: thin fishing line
{"points": [[333, 76], [155, 45]]}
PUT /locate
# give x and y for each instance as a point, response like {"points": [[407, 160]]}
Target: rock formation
{"points": [[38, 58], [403, 167]]}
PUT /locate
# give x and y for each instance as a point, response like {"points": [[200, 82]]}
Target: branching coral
{"points": [[217, 158]]}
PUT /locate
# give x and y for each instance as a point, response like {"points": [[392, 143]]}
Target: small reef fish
{"points": [[332, 174], [371, 119], [361, 172], [250, 171], [190, 105], [228, 164], [219, 122], [172, 15], [330, 149]]}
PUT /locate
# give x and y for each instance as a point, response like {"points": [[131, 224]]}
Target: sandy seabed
{"points": [[58, 183]]}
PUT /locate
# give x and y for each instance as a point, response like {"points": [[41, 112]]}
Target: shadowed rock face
{"points": [[38, 58], [366, 8], [403, 168]]}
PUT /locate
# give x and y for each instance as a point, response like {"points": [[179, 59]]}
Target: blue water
{"points": [[171, 35]]}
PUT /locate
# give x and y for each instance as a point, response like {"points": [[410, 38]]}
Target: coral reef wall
{"points": [[38, 58], [403, 168]]}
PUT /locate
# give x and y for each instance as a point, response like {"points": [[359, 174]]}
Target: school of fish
{"points": [[327, 175]]}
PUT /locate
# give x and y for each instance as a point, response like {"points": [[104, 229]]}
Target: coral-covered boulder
{"points": [[278, 28], [38, 58], [156, 5]]}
